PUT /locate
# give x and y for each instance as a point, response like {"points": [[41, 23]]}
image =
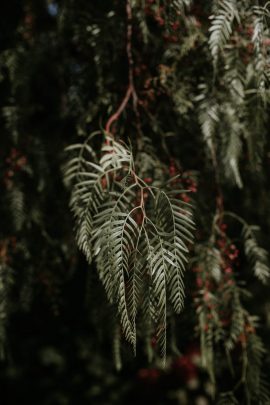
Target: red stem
{"points": [[121, 108], [131, 92]]}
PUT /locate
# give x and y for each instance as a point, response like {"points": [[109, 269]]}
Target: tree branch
{"points": [[131, 92]]}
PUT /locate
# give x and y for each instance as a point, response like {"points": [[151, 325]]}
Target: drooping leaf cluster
{"points": [[137, 232], [192, 79]]}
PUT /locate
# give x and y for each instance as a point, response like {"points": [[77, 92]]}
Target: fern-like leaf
{"points": [[257, 256], [221, 27], [137, 234]]}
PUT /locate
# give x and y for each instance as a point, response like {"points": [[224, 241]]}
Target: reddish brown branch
{"points": [[121, 108], [219, 193], [131, 92]]}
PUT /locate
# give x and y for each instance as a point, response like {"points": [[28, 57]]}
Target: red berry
{"points": [[199, 282], [175, 25]]}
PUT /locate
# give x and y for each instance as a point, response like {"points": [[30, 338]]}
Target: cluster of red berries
{"points": [[158, 14], [148, 375], [146, 95], [173, 39], [206, 284], [4, 258], [185, 367], [243, 337], [230, 255], [185, 182], [189, 183], [28, 26], [16, 162], [7, 246], [200, 281], [248, 49], [203, 297], [148, 180], [153, 86], [139, 69]]}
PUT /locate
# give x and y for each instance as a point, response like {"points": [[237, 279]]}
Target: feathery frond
{"points": [[222, 26], [137, 233], [257, 256]]}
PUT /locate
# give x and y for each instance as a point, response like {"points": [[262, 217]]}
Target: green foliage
{"points": [[6, 281], [227, 398], [181, 89], [222, 26], [223, 321], [137, 232], [258, 257]]}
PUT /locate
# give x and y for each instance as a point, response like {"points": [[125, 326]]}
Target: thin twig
{"points": [[131, 91], [121, 108], [219, 193]]}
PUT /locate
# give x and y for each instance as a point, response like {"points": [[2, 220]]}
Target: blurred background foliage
{"points": [[63, 72]]}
